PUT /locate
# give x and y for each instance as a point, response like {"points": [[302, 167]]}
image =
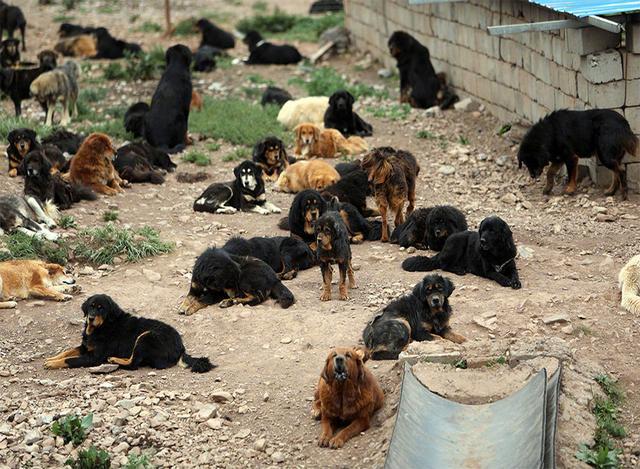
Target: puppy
{"points": [[490, 252], [28, 215], [21, 142], [214, 36], [82, 46], [313, 174], [297, 111], [93, 166], [358, 227], [10, 53], [629, 283], [134, 118], [311, 141], [271, 155], [429, 228], [60, 83], [220, 277], [24, 279], [245, 193], [333, 247], [347, 394], [392, 173], [134, 167], [420, 315], [262, 52], [275, 95], [12, 18], [340, 116], [562, 137], [306, 208], [65, 141], [352, 188], [160, 160], [111, 335]]}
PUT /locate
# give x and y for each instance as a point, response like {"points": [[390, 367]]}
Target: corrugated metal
{"points": [[584, 8]]}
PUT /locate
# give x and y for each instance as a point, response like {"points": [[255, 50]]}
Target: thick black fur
{"points": [[40, 183], [359, 228], [331, 227], [426, 310], [307, 206], [352, 188], [165, 124], [339, 115], [134, 167], [10, 52], [65, 141], [147, 342], [263, 152], [21, 142], [241, 277], [12, 18], [69, 30], [15, 83], [284, 254], [111, 48], [134, 118], [204, 59], [214, 36], [265, 53], [489, 252], [156, 158], [429, 228], [275, 95]]}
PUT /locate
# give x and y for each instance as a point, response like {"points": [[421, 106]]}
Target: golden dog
{"points": [[24, 279], [93, 165], [301, 175], [312, 141]]}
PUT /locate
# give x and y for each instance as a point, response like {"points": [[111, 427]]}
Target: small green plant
{"points": [[259, 7], [67, 222], [185, 27], [463, 140], [149, 27], [110, 215], [239, 154], [257, 79], [462, 364], [91, 458], [8, 123], [501, 360], [610, 387], [293, 27], [196, 157], [426, 134], [504, 129], [21, 246], [213, 146], [144, 66], [140, 461], [324, 81], [72, 428], [393, 111]]}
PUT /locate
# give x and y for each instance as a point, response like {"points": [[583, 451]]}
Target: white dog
{"points": [[301, 110]]}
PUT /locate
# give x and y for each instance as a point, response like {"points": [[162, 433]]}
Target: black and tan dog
{"points": [[271, 155], [134, 167], [420, 315], [10, 53], [333, 248], [111, 335], [359, 228], [227, 279], [429, 228], [306, 208], [352, 188], [21, 142]]}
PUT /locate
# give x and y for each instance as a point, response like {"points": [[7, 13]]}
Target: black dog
{"points": [[12, 18], [339, 115], [134, 167], [358, 227], [245, 192], [333, 247], [21, 142], [134, 118], [109, 47], [270, 154], [220, 277], [489, 252], [214, 36], [15, 83], [264, 53], [429, 228], [419, 316], [65, 141], [562, 137], [284, 254], [69, 30], [275, 95], [352, 188], [111, 335], [204, 59], [156, 158], [307, 206], [10, 53], [39, 182], [165, 124]]}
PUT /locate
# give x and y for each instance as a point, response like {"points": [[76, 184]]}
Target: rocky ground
{"points": [[254, 409]]}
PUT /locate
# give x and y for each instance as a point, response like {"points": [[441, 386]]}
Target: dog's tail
{"points": [[81, 192], [629, 281], [283, 224], [283, 295], [142, 175], [630, 143], [353, 145], [419, 264], [197, 365]]}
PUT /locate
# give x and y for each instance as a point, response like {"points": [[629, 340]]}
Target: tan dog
{"points": [[83, 45], [629, 281], [24, 279], [312, 141], [309, 109], [348, 393], [92, 165], [301, 175]]}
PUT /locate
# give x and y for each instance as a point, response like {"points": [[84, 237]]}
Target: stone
{"points": [[32, 437], [260, 444], [151, 275], [121, 448], [502, 160], [446, 169], [242, 434], [525, 252], [509, 198], [86, 270], [605, 218], [278, 457], [433, 111], [103, 369], [386, 73], [125, 403], [221, 396], [467, 105], [215, 424], [555, 318], [207, 411], [285, 340]]}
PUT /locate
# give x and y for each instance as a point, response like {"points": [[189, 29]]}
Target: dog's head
{"points": [[58, 275], [36, 165], [440, 226], [533, 151], [11, 47], [249, 175], [48, 59], [23, 140], [202, 24], [496, 239], [307, 133], [342, 101], [307, 206], [99, 310], [377, 164], [68, 29], [178, 53], [433, 291], [100, 145], [345, 364], [252, 38], [327, 230], [400, 43], [270, 150]]}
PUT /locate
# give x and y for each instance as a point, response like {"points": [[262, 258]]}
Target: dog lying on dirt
{"points": [[61, 83], [312, 141], [134, 167], [21, 142], [93, 166], [347, 394], [352, 188], [271, 155], [359, 228], [420, 315], [81, 46], [65, 141], [298, 111], [227, 279], [340, 116], [213, 36], [28, 215], [22, 279], [15, 83], [312, 174], [108, 47], [333, 247], [429, 228], [111, 335], [629, 283], [262, 52]]}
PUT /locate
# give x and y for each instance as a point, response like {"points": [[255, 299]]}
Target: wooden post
{"points": [[167, 17]]}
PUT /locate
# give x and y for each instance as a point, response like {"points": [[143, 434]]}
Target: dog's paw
{"points": [[344, 296], [324, 440], [516, 285], [326, 296], [226, 303], [336, 442], [316, 413], [275, 209], [66, 298]]}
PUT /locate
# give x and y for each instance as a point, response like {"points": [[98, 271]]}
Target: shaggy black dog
{"points": [[69, 30], [284, 254], [134, 167], [16, 83], [39, 182], [214, 36], [307, 206], [264, 53], [245, 192], [157, 158], [10, 53], [489, 252], [339, 115], [420, 315], [111, 48], [562, 137], [12, 18], [65, 141], [204, 59], [275, 95], [21, 142], [352, 188], [134, 118], [111, 335], [333, 247], [165, 124], [220, 277], [358, 227], [270, 154], [429, 228]]}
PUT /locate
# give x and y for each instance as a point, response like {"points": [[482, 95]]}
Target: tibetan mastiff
{"points": [[271, 155], [352, 188], [340, 116], [10, 53], [108, 47], [12, 18], [276, 96], [359, 228], [489, 252], [306, 208], [65, 141], [58, 84], [311, 174], [562, 137], [134, 166], [312, 141], [111, 335], [429, 228], [214, 36], [93, 166], [262, 52], [420, 315], [22, 279], [332, 240], [21, 142]]}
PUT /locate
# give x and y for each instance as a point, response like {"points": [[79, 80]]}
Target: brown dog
{"points": [[23, 279], [83, 45], [311, 141], [392, 173], [347, 392], [301, 175], [93, 166], [196, 101]]}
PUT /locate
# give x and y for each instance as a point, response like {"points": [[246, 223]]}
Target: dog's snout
{"points": [[338, 363]]}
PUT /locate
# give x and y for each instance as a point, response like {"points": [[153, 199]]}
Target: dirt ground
{"points": [[269, 359]]}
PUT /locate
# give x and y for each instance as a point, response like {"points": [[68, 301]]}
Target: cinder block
{"points": [[567, 81], [545, 94], [607, 95], [633, 176], [583, 88], [632, 114], [563, 101], [632, 36], [632, 66], [602, 67], [633, 93], [587, 40]]}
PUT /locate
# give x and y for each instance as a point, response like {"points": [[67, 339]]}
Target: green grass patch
{"points": [[239, 154], [324, 81], [185, 27], [72, 428], [258, 79], [110, 215], [260, 6], [114, 128], [8, 123], [91, 458], [145, 66], [139, 461], [392, 111], [224, 63], [426, 135], [291, 27], [462, 364], [196, 157], [67, 221], [504, 129], [21, 246], [213, 146], [463, 140], [149, 27], [63, 18]]}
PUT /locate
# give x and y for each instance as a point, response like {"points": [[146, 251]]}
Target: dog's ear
{"points": [[363, 353], [283, 152], [316, 133], [298, 130], [350, 98], [258, 150], [32, 134], [448, 286], [420, 291], [360, 366], [324, 375], [236, 171], [112, 310], [296, 210]]}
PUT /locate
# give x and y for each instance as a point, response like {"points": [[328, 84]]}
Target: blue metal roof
{"points": [[584, 8]]}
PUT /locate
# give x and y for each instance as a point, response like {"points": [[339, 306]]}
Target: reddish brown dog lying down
{"points": [[347, 392]]}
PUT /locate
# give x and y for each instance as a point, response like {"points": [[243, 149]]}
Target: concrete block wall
{"points": [[517, 77]]}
